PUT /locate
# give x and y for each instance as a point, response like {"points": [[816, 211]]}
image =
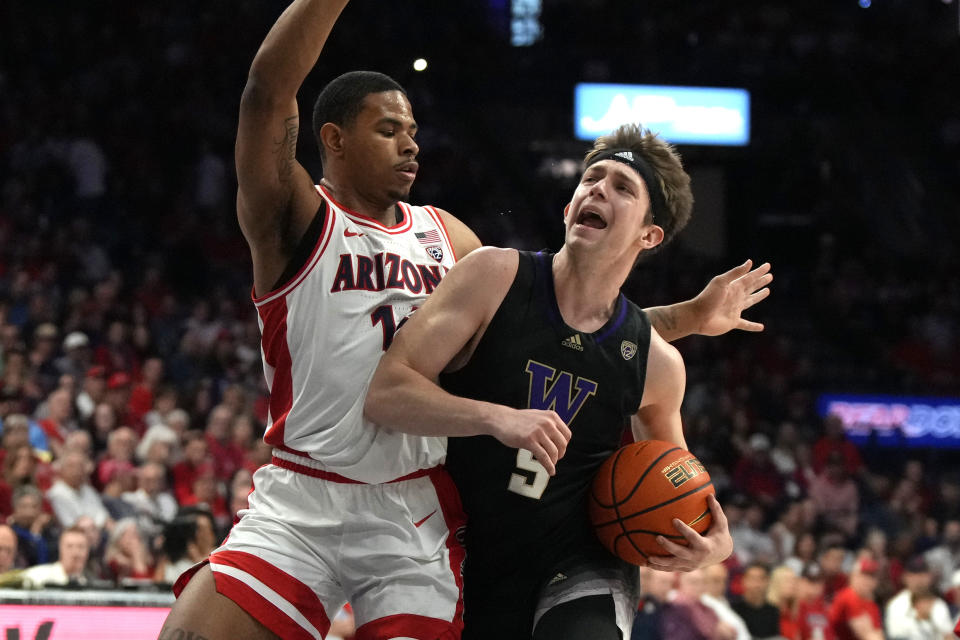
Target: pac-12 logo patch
{"points": [[436, 253], [628, 349]]}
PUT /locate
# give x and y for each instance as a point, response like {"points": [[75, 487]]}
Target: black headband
{"points": [[658, 204]]}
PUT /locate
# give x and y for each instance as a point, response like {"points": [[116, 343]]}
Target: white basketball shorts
{"points": [[311, 540]]}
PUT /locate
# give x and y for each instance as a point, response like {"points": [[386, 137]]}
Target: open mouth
{"points": [[591, 219]]}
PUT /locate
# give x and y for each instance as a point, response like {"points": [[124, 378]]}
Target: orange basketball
{"points": [[638, 492]]}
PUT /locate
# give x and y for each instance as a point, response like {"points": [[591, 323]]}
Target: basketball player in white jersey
{"points": [[346, 510]]}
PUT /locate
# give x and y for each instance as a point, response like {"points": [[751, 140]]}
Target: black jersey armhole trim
{"points": [[304, 248]]}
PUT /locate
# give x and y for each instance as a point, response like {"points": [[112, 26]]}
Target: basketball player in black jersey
{"points": [[512, 334]]}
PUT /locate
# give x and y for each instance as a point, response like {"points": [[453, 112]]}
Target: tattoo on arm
{"points": [[663, 319], [286, 148]]}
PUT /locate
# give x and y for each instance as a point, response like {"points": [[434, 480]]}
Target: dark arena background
{"points": [[117, 221]]}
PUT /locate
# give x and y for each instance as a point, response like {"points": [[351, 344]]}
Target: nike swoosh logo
{"points": [[350, 234], [417, 524]]}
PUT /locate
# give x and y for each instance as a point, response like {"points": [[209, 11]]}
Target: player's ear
{"points": [[566, 210], [651, 236], [331, 137]]}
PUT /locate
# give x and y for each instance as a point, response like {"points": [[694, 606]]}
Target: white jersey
{"points": [[323, 333]]}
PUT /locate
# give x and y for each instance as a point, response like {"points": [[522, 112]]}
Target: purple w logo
{"points": [[559, 396]]}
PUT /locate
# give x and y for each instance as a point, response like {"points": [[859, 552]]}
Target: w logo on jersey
{"points": [[559, 396]]}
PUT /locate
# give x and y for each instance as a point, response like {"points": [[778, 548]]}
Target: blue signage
{"points": [[681, 115], [897, 421]]}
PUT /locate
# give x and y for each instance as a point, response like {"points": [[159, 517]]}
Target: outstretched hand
{"points": [[701, 551], [721, 303]]}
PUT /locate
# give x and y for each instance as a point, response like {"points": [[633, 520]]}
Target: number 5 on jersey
{"points": [[531, 486]]}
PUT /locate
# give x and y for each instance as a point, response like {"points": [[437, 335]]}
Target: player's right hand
{"points": [[542, 433]]}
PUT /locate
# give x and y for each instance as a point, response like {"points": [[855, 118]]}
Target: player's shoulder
{"points": [[463, 238], [492, 260]]}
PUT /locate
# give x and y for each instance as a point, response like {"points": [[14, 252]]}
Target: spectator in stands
{"points": [[59, 420], [126, 556], [854, 614], [241, 484], [92, 391], [159, 444], [185, 472], [804, 552], [208, 493], [18, 429], [43, 355], [77, 356], [226, 455], [751, 541], [143, 392], [944, 559], [153, 505], [36, 532], [19, 466], [782, 593], [688, 618], [832, 559], [813, 615], [96, 539], [655, 587], [762, 618], [791, 523], [118, 395], [121, 444], [8, 548], [835, 497], [756, 474], [102, 423], [901, 615], [121, 477], [71, 568], [715, 579], [835, 442], [72, 495], [187, 540]]}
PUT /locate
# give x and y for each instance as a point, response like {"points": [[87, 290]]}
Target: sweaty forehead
{"points": [[386, 104]]}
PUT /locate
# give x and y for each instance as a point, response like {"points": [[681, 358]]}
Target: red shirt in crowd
{"points": [[849, 605], [811, 616]]}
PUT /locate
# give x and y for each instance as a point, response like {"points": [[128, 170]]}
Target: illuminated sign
{"points": [[681, 115], [897, 421]]}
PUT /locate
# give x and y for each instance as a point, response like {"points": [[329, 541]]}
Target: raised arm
{"points": [[403, 393], [659, 419], [718, 308], [276, 199]]}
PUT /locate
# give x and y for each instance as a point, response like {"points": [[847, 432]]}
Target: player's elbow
{"points": [[260, 95], [379, 393]]}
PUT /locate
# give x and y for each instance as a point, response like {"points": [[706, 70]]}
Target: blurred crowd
{"points": [[132, 397]]}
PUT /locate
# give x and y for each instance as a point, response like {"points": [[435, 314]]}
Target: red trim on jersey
{"points": [[446, 234], [302, 597], [336, 477], [295, 452], [262, 610], [367, 221], [181, 582], [315, 256], [276, 352], [408, 625], [456, 519]]}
